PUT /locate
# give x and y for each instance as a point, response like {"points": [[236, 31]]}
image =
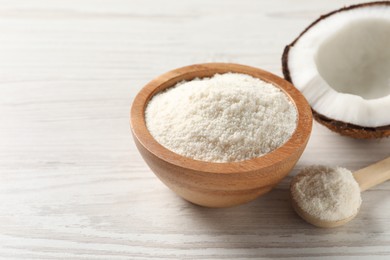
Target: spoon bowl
{"points": [[316, 221], [366, 178]]}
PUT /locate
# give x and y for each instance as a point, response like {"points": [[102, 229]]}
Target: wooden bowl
{"points": [[219, 184]]}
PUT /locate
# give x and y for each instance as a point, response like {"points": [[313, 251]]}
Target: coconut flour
{"points": [[226, 118], [329, 194]]}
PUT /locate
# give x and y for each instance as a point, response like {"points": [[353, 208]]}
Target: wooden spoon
{"points": [[366, 178]]}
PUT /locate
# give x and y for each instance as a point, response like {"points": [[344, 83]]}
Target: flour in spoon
{"points": [[329, 194]]}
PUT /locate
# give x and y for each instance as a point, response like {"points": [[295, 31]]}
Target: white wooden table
{"points": [[72, 184]]}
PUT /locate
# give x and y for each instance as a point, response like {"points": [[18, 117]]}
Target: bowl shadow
{"points": [[268, 212]]}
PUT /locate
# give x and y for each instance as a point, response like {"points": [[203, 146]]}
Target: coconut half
{"points": [[341, 64]]}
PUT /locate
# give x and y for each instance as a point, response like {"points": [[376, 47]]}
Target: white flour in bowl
{"points": [[226, 118]]}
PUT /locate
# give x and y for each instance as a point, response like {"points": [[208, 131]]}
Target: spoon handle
{"points": [[373, 175]]}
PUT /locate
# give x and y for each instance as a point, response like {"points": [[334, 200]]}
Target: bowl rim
{"points": [[297, 140]]}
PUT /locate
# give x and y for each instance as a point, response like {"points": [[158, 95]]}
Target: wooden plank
{"points": [[72, 182]]}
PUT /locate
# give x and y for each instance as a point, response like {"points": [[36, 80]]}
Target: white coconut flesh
{"points": [[342, 66]]}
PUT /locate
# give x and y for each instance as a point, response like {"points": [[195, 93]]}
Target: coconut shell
{"points": [[352, 130], [340, 127]]}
